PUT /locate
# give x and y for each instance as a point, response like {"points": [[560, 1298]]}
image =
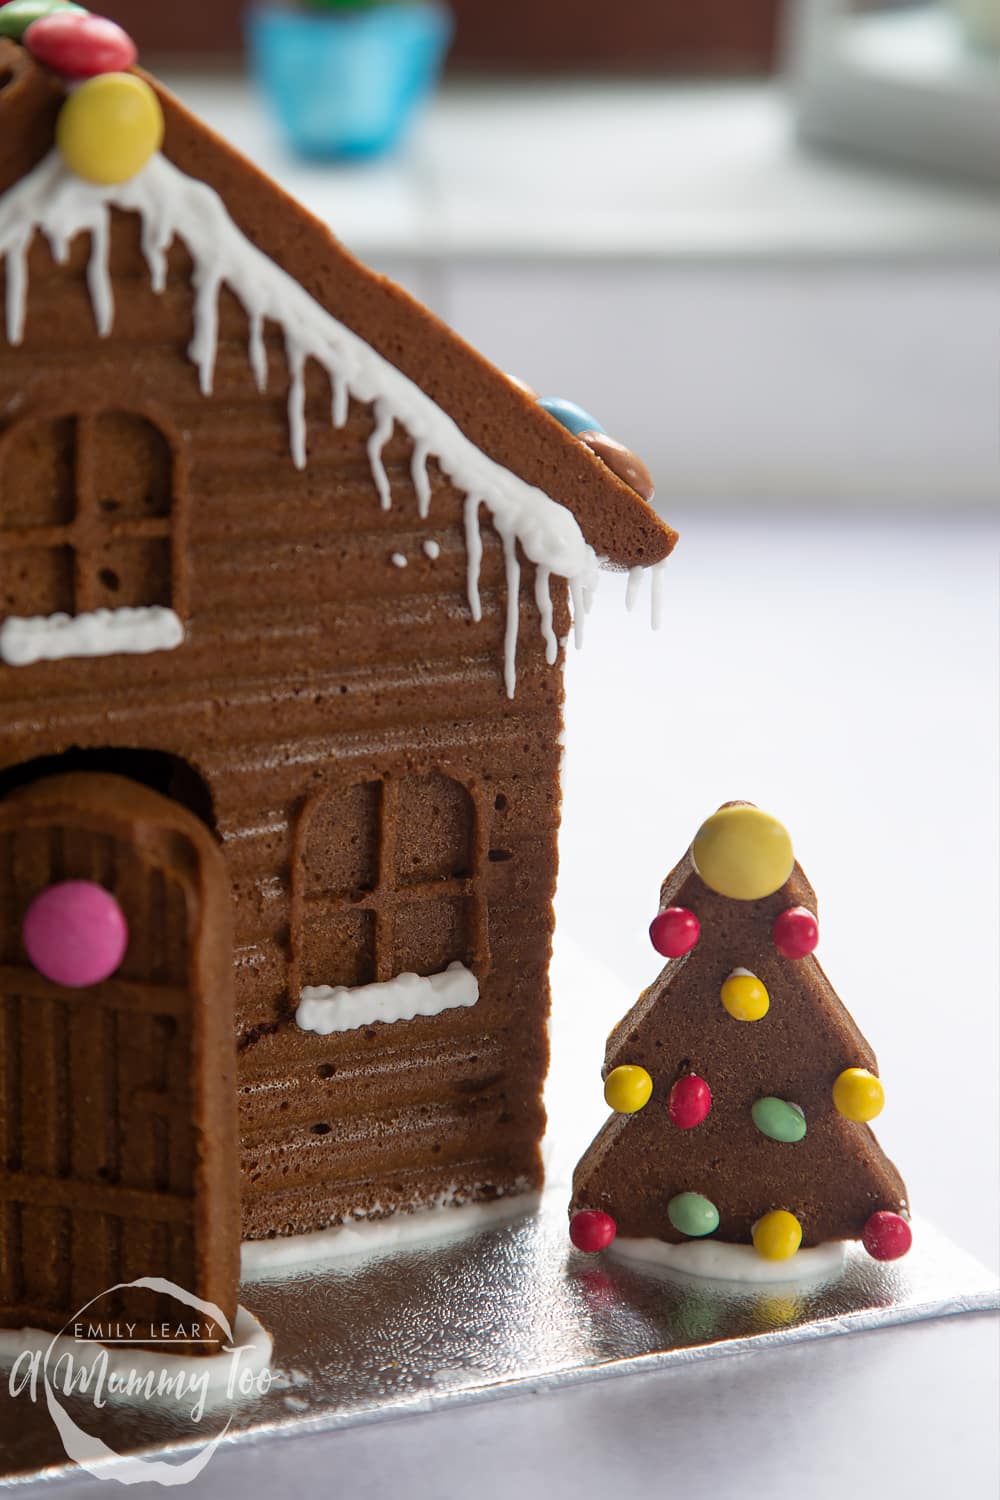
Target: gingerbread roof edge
{"points": [[497, 417]]}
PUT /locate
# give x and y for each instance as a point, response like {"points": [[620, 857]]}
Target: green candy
{"points": [[692, 1214], [17, 16], [779, 1120]]}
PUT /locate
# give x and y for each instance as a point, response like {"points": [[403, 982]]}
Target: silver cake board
{"points": [[496, 1312]]}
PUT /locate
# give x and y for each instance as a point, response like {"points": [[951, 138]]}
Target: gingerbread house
{"points": [[286, 574]]}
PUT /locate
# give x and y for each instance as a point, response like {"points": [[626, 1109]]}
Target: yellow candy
{"points": [[109, 128], [627, 1089], [743, 853], [858, 1094], [777, 1235], [745, 998]]}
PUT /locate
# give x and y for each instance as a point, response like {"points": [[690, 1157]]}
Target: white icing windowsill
{"points": [[325, 1009], [102, 632]]}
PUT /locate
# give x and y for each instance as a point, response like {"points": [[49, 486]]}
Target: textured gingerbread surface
{"points": [[117, 1118], [832, 1180], [340, 724]]}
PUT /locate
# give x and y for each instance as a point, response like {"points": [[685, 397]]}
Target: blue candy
{"points": [[572, 417]]}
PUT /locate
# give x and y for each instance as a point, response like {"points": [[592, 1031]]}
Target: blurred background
{"points": [[670, 211]]}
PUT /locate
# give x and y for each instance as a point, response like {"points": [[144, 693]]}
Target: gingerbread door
{"points": [[118, 1145]]}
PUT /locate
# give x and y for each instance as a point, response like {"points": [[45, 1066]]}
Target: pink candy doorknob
{"points": [[75, 933]]}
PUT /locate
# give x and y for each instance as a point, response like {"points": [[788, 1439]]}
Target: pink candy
{"points": [[75, 933]]}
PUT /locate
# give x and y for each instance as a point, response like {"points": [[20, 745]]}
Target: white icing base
{"points": [[719, 1261], [438, 1220], [323, 1009], [249, 1336], [103, 632]]}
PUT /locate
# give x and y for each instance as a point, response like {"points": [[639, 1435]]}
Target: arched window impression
{"points": [[86, 525], [387, 879]]}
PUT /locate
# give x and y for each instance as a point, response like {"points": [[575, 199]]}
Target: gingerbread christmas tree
{"points": [[741, 1086]]}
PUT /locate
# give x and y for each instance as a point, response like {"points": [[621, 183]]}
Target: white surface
{"points": [[898, 84], [842, 673], [730, 306], [634, 169]]}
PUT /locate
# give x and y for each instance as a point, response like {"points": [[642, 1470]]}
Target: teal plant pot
{"points": [[346, 83]]}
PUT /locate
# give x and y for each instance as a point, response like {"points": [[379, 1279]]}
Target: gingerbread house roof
{"points": [[376, 342]]}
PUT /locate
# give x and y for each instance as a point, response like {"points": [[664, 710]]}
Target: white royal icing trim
{"points": [[366, 1236], [50, 199], [720, 1261], [102, 632], [324, 1009]]}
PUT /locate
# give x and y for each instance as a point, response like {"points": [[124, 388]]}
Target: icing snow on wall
{"points": [[103, 632], [171, 205], [324, 1009]]}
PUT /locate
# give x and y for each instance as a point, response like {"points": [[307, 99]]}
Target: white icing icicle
{"points": [[512, 568], [632, 588], [173, 206], [297, 407], [381, 433], [258, 352], [474, 554], [421, 480], [341, 400], [656, 577], [579, 610], [324, 1009], [543, 599]]}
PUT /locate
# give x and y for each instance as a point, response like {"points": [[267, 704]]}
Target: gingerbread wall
{"points": [[316, 674]]}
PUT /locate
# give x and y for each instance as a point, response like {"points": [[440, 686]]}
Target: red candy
{"points": [[675, 931], [80, 46], [886, 1236], [796, 932], [689, 1102], [590, 1230]]}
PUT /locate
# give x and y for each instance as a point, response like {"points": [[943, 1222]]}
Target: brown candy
{"points": [[629, 468]]}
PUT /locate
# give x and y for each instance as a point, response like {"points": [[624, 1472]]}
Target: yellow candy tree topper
{"points": [[743, 853], [109, 128]]}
